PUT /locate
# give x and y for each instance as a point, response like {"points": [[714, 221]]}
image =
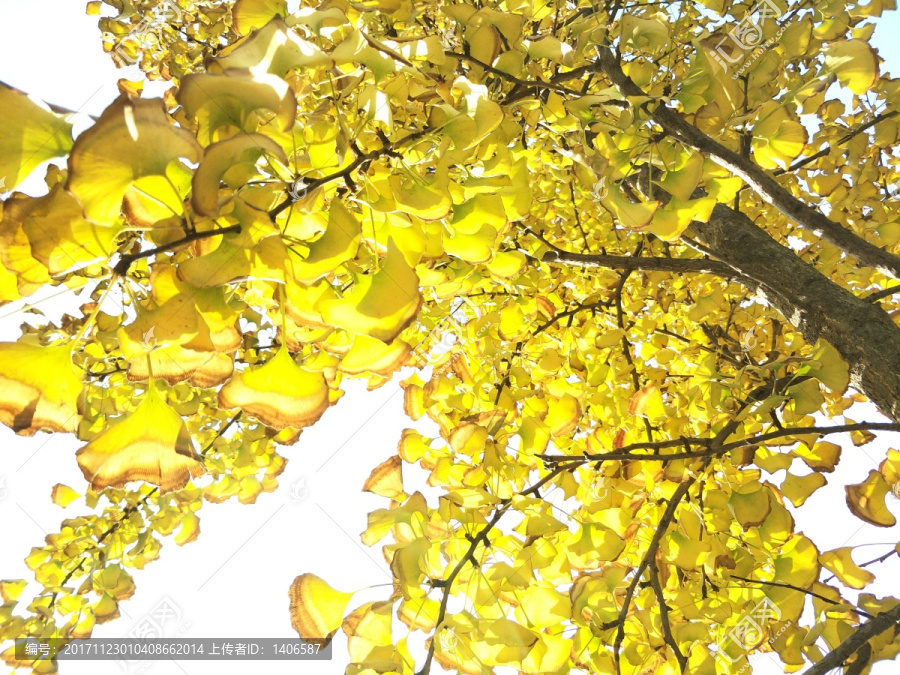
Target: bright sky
{"points": [[233, 581]]}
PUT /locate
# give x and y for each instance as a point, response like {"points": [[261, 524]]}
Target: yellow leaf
{"points": [[10, 590], [542, 607], [250, 14], [190, 529], [279, 393], [380, 305], [750, 504], [386, 479], [31, 135], [371, 621], [646, 35], [426, 198], [369, 355], [337, 245], [634, 216], [133, 139], [220, 158], [592, 544], [150, 444], [647, 402], [235, 99], [317, 610], [255, 252], [63, 495], [855, 63], [29, 400], [58, 235], [866, 500], [832, 370], [823, 456], [799, 488], [850, 574], [275, 49], [686, 553]]}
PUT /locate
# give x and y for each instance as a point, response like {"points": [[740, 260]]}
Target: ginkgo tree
{"points": [[665, 233]]}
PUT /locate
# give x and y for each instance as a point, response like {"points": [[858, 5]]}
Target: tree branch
{"points": [[664, 617], [125, 262], [856, 641], [469, 557], [767, 187], [864, 334], [800, 163], [661, 529], [803, 590], [712, 448], [345, 173], [633, 263]]}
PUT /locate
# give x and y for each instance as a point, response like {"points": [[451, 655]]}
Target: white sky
{"points": [[233, 581]]}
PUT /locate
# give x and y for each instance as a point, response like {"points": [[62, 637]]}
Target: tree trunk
{"points": [[863, 333]]}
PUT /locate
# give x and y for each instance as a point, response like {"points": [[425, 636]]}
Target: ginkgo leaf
{"points": [[63, 495], [647, 402], [29, 400], [150, 444], [381, 305], [337, 245], [255, 252], [866, 500], [855, 63], [822, 457], [58, 235], [236, 100], [890, 469], [831, 370], [505, 643], [279, 393], [592, 544], [190, 529], [850, 574], [371, 621], [250, 14], [645, 34], [132, 140], [222, 157], [799, 488], [634, 216], [777, 138], [370, 355], [275, 49], [386, 479], [750, 504], [426, 198], [317, 610], [10, 589], [31, 135]]}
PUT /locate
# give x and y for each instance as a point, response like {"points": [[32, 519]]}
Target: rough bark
{"points": [[863, 333]]}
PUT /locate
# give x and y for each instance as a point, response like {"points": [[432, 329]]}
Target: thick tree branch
{"points": [[864, 335], [856, 641], [767, 187]]}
